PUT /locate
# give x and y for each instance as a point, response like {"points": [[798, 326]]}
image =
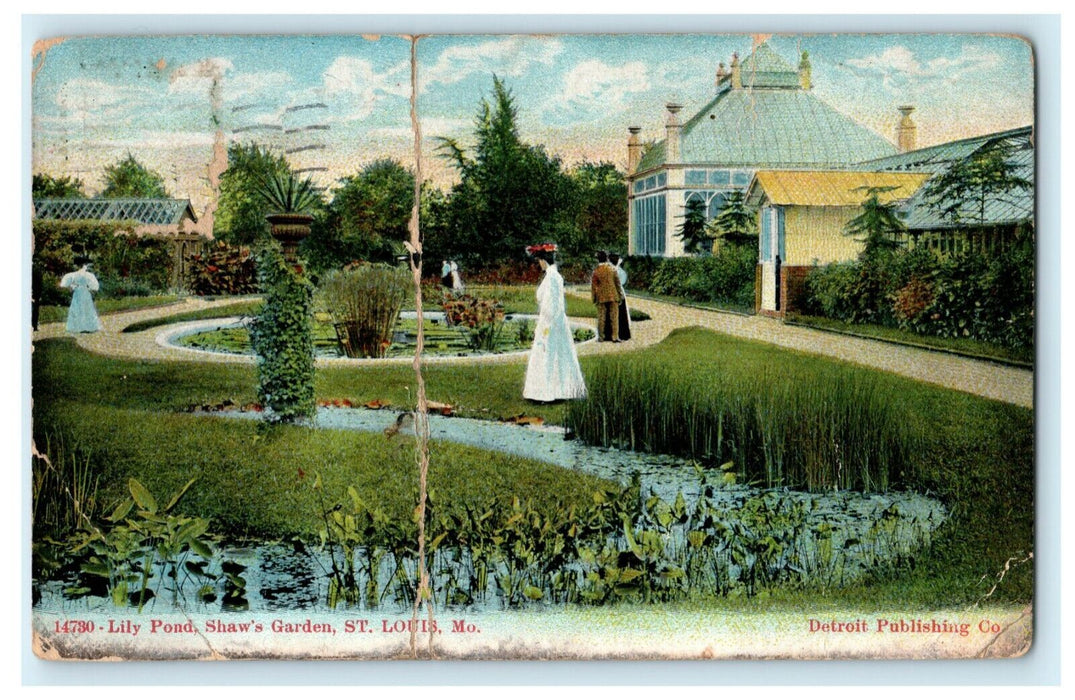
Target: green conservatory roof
{"points": [[764, 68], [1015, 206], [771, 122], [145, 211], [771, 129]]}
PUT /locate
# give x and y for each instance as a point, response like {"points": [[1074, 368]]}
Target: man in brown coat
{"points": [[605, 290]]}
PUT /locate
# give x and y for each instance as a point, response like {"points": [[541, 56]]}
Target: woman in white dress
{"points": [[553, 372], [81, 316]]}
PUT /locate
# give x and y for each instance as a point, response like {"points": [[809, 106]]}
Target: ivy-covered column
{"points": [[282, 337]]}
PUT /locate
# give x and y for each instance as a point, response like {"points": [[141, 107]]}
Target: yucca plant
{"points": [[285, 193]]}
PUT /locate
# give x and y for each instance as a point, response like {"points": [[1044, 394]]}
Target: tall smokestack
{"points": [[907, 132], [672, 131], [634, 149]]}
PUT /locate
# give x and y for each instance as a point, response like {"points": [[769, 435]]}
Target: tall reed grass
{"points": [[64, 488], [365, 302], [839, 431]]}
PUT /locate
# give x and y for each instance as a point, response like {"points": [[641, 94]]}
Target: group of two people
{"points": [[606, 289], [553, 372], [449, 276]]}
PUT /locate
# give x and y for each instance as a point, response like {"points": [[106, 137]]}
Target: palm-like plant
{"points": [[288, 194]]}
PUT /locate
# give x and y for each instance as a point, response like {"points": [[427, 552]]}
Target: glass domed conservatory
{"points": [[764, 116]]}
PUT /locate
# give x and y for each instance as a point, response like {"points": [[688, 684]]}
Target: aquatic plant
{"points": [[841, 433]]}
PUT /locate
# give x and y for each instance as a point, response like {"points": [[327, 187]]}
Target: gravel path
{"points": [[990, 380]]}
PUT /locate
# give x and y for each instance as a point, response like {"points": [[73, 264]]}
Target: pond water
{"points": [[232, 336], [835, 536]]}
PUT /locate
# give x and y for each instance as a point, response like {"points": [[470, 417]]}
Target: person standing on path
{"points": [[82, 315], [552, 372], [624, 313], [607, 295]]}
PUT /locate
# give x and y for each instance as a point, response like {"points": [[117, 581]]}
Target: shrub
{"points": [[223, 270], [364, 301], [480, 320], [282, 337], [125, 264]]}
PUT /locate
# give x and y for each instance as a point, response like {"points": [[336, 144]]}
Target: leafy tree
{"points": [[367, 217], [736, 222], [510, 193], [601, 216], [962, 193], [693, 229], [241, 209], [129, 178], [878, 224], [46, 186]]}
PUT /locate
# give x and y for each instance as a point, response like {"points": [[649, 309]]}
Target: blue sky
{"points": [[337, 102]]}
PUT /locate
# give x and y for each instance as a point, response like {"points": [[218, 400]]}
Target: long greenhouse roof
{"points": [[1014, 206], [145, 211]]}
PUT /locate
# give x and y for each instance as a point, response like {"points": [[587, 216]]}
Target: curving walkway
{"points": [[993, 381]]}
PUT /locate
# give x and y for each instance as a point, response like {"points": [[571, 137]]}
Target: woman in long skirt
{"points": [[82, 315], [553, 371]]}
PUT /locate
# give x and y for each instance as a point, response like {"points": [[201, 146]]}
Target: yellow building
{"points": [[802, 221]]}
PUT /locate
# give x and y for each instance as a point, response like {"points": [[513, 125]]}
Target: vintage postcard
{"points": [[649, 346]]}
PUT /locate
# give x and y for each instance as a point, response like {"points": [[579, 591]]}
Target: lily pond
{"points": [[515, 334], [669, 530]]}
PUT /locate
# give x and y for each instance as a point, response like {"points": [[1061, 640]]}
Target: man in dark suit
{"points": [[606, 294]]}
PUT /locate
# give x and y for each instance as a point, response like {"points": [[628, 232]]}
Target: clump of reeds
{"points": [[64, 490], [836, 432], [364, 302]]}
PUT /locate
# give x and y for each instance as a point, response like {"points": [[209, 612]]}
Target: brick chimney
{"points": [[805, 72], [634, 149], [907, 132], [737, 75], [672, 131], [722, 73]]}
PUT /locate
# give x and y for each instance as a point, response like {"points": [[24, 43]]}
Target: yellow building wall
{"points": [[815, 235]]}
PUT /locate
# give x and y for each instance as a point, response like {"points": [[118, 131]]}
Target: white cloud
{"points": [[353, 86], [593, 85], [899, 64], [511, 56], [82, 100]]}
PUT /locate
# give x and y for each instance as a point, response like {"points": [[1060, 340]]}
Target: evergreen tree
{"points": [[736, 222], [693, 229], [962, 193], [129, 178], [878, 225], [510, 194]]}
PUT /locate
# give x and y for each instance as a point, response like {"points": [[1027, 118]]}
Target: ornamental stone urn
{"points": [[290, 229]]}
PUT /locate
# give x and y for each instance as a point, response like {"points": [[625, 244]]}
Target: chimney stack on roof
{"points": [[634, 149], [805, 72], [722, 73], [737, 76], [907, 131], [672, 130]]}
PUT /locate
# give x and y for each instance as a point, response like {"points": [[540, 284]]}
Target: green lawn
{"points": [[976, 455], [962, 346], [58, 314]]}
